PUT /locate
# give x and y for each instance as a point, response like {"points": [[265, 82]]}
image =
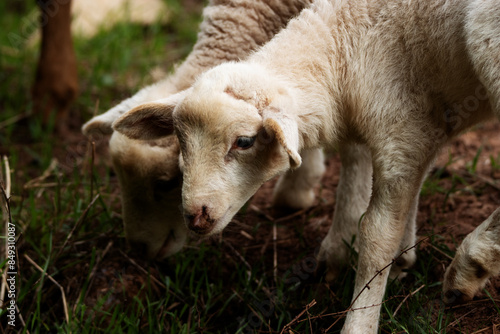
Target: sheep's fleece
{"points": [[399, 76], [148, 171]]}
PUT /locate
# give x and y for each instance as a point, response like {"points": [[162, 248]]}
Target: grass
{"points": [[75, 271]]}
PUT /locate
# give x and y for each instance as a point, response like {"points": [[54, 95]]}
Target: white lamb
{"points": [[148, 171], [399, 76]]}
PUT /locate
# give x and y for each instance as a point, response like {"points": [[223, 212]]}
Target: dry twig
{"points": [[293, 215], [275, 253], [77, 224], [411, 294], [441, 252], [367, 285], [7, 218], [92, 159], [92, 273], [308, 306], [13, 120], [238, 255], [472, 302], [482, 330], [35, 183], [65, 304], [146, 272]]}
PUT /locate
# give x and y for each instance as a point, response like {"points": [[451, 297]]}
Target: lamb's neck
{"points": [[312, 54], [301, 56], [318, 115]]}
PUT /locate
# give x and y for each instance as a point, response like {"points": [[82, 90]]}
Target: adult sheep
{"points": [[395, 75]]}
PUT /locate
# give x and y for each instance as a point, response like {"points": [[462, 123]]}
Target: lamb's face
{"points": [[227, 155], [150, 182], [236, 129]]}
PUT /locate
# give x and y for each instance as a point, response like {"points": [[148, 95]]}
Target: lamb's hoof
{"points": [[331, 275], [398, 270], [286, 199], [320, 269], [329, 272], [397, 274], [402, 263]]}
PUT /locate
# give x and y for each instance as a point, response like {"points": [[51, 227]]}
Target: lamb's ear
{"points": [[286, 131], [101, 124], [150, 120]]}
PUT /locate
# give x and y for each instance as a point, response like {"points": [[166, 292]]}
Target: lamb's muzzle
{"points": [[200, 222]]}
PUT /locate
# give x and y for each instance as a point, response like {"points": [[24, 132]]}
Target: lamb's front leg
{"points": [[397, 181], [353, 195], [477, 259]]}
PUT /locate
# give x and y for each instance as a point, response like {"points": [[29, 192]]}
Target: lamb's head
{"points": [[150, 182], [236, 130]]}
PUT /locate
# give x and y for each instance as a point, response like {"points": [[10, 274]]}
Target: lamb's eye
{"points": [[243, 143]]}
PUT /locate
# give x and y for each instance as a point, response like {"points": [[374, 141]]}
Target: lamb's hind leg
{"points": [[295, 189], [477, 259]]}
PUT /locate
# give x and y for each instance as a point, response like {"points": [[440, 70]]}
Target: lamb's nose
{"points": [[199, 222]]}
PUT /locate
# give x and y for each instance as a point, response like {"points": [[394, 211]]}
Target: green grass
{"points": [[66, 239]]}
